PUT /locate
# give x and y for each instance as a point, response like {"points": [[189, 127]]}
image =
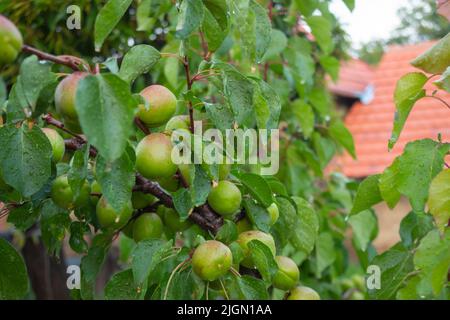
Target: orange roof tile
{"points": [[371, 124], [354, 78]]}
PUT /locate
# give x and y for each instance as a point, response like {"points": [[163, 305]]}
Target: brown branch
{"points": [[69, 61], [75, 144], [138, 122], [439, 99], [48, 119], [189, 86]]}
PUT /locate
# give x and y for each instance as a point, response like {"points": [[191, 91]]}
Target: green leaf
{"points": [[276, 186], [331, 66], [77, 232], [108, 17], [420, 162], [436, 59], [443, 82], [182, 202], [325, 252], [395, 265], [320, 100], [267, 105], [221, 116], [408, 91], [387, 185], [258, 188], [105, 108], [306, 7], [138, 60], [25, 158], [54, 222], [324, 148], [92, 263], [439, 199], [23, 217], [308, 229], [146, 256], [350, 4], [13, 273], [262, 29], [415, 226], [201, 185], [339, 132], [251, 288], [433, 259], [78, 170], [186, 285], [116, 179], [304, 115], [264, 260], [33, 78], [122, 287], [3, 92], [364, 226], [278, 43], [228, 232], [368, 194], [215, 23], [190, 18], [258, 215], [321, 28]]}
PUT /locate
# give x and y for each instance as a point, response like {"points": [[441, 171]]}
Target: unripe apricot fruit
{"points": [[147, 226], [274, 213], [211, 260], [11, 41], [225, 198], [141, 200], [162, 105], [57, 143], [245, 237], [178, 122], [62, 194], [154, 157], [109, 218], [173, 222], [303, 293], [65, 94], [287, 275]]}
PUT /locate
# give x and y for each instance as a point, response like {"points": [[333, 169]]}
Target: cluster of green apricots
{"points": [[212, 259]]}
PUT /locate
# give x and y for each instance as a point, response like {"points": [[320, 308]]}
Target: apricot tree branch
{"points": [[189, 86], [69, 61], [138, 122], [48, 119]]}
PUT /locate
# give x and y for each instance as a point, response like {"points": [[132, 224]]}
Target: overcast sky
{"points": [[371, 19]]}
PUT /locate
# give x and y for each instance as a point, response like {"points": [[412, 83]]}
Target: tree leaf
{"points": [[308, 229], [78, 170], [278, 43], [304, 115], [408, 91], [122, 287], [107, 18], [215, 23], [13, 273], [368, 194], [414, 226], [387, 185], [264, 260], [116, 179], [444, 81], [190, 18], [267, 105], [220, 115], [439, 199], [23, 217], [54, 223], [251, 288], [350, 4], [436, 59], [325, 252], [262, 29], [201, 185], [364, 226], [228, 232], [25, 158], [321, 28], [339, 132], [258, 215], [420, 162], [395, 266], [258, 188], [138, 60], [186, 285], [77, 231], [433, 259], [182, 202], [331, 66], [105, 108]]}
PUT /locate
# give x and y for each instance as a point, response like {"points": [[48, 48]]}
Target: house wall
{"points": [[389, 224]]}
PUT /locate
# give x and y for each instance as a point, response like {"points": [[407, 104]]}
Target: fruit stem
{"points": [[189, 87]]}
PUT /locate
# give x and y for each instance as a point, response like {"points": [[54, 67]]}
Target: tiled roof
{"points": [[371, 124], [354, 78]]}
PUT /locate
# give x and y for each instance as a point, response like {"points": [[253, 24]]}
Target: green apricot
{"points": [[287, 275], [224, 171], [147, 226], [178, 122], [357, 295], [154, 157], [170, 183], [303, 293], [65, 100], [211, 260], [57, 143], [359, 282], [243, 225], [162, 105], [274, 213], [173, 222], [95, 188], [225, 198], [128, 229], [109, 218], [11, 41], [62, 194], [141, 200], [245, 237]]}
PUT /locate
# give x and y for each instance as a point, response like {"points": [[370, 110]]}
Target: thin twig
{"points": [[69, 61], [138, 122], [439, 99]]}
